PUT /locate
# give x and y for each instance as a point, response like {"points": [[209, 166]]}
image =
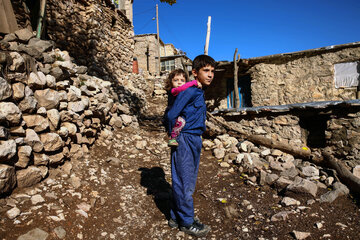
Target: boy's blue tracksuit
{"points": [[185, 159]]}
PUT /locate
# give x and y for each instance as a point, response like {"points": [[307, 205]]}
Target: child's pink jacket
{"points": [[176, 91]]}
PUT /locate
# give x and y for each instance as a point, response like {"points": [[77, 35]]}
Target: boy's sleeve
{"points": [[176, 91], [179, 104]]}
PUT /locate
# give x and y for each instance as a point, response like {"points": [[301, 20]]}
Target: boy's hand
{"points": [[199, 85]]}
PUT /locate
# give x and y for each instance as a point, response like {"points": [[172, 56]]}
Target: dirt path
{"points": [[121, 190]]}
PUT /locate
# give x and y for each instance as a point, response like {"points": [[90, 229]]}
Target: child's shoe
{"points": [[173, 143], [196, 229], [174, 224]]}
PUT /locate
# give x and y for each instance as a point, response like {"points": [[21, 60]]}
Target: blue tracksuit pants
{"points": [[184, 169]]}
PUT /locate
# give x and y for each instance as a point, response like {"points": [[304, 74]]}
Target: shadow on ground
{"points": [[157, 186]]}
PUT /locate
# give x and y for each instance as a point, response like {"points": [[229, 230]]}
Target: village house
{"points": [[307, 98], [322, 74], [147, 52]]}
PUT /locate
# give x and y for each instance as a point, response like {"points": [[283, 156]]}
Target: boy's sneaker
{"points": [[173, 143], [173, 223], [196, 229]]}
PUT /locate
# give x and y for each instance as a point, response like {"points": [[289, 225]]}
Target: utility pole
{"points": [[41, 18], [158, 38], [207, 36]]}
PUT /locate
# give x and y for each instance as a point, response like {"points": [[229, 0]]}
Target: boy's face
{"points": [[178, 80], [205, 75]]}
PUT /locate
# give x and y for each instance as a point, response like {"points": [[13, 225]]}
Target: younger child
{"points": [[176, 83]]}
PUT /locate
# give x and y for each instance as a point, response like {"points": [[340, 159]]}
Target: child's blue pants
{"points": [[184, 169]]}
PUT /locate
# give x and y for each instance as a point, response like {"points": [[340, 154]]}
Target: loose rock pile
{"points": [[263, 166], [50, 109]]}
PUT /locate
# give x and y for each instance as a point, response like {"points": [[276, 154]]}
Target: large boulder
{"points": [[10, 112], [54, 118], [36, 80], [24, 154], [5, 89], [51, 141], [7, 150], [71, 127], [303, 186], [18, 62], [7, 178], [39, 123], [18, 90], [28, 104], [28, 177], [33, 140], [47, 98], [24, 34]]}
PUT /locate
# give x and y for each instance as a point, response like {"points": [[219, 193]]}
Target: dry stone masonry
{"points": [[263, 166], [298, 79], [50, 109]]}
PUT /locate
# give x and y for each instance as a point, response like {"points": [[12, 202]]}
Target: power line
{"points": [[174, 35], [146, 24], [145, 11]]}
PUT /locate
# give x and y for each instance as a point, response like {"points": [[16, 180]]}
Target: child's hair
{"points": [[202, 61], [168, 85]]}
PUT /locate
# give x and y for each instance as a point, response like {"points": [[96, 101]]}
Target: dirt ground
{"points": [[130, 199]]}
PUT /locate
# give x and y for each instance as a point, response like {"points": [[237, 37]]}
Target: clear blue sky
{"points": [[256, 27]]}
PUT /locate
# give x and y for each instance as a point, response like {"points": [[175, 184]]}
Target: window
{"points": [[347, 74], [168, 65]]}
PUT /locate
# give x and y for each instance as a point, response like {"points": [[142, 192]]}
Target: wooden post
{"points": [[206, 50], [41, 18], [158, 38], [185, 68], [236, 87]]}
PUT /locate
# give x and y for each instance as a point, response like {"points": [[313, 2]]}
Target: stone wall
{"points": [[51, 109], [94, 33], [337, 127], [298, 79], [146, 52]]}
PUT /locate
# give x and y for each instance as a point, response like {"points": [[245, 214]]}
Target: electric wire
{"points": [[145, 25], [171, 33], [145, 11]]}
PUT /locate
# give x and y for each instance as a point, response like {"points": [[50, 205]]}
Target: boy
{"points": [[186, 157]]}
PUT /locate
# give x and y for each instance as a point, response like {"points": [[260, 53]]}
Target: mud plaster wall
{"points": [[95, 34], [304, 79]]}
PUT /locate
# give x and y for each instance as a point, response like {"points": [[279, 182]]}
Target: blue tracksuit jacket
{"points": [[189, 104]]}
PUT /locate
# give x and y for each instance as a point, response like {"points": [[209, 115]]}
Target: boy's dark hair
{"points": [[175, 72], [202, 61]]}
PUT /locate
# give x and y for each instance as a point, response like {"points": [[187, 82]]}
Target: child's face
{"points": [[205, 75], [178, 80]]}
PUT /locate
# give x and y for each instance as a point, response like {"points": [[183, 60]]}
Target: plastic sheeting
{"points": [[347, 74]]}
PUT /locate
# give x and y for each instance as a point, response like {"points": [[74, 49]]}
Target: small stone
{"points": [[37, 199], [35, 234], [60, 232], [319, 225], [13, 213], [300, 235]]}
